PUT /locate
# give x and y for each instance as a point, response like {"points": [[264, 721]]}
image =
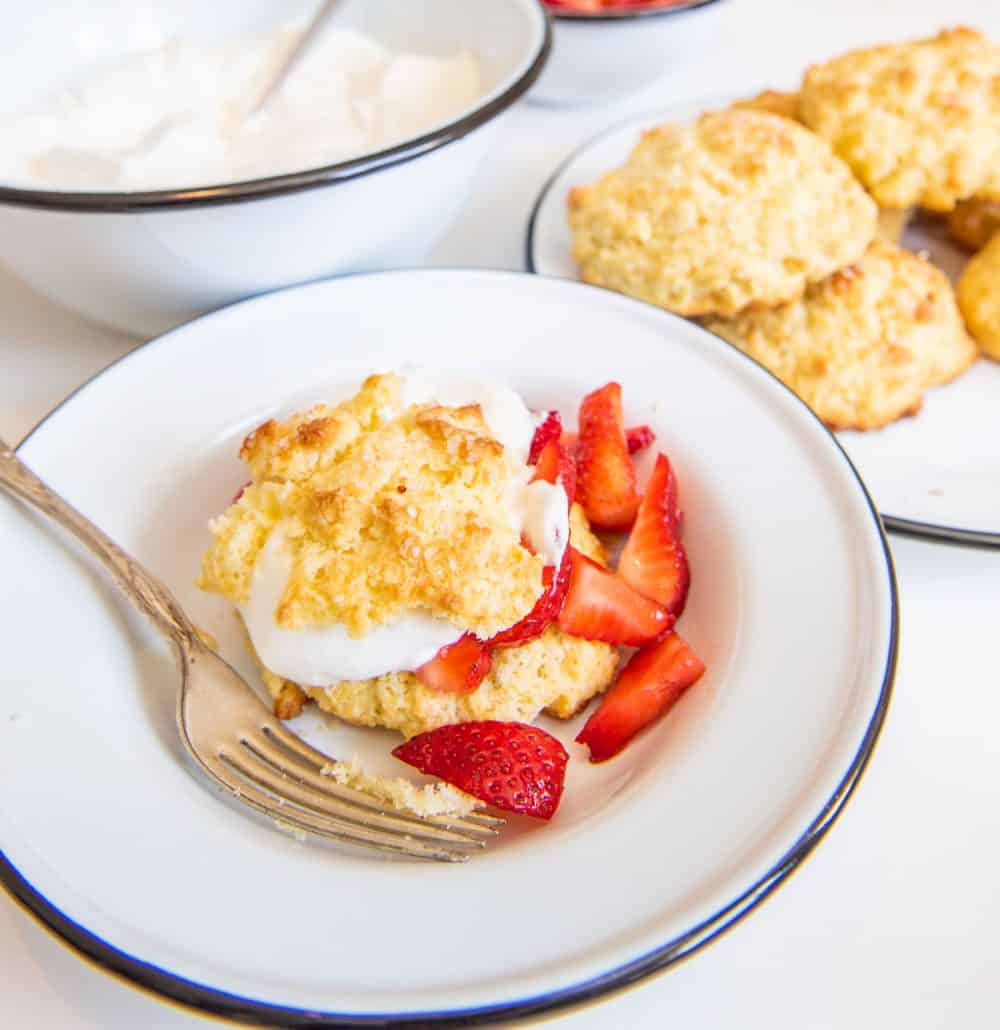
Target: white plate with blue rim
{"points": [[935, 475], [107, 838]]}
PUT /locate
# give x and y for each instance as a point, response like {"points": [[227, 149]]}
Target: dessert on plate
{"points": [[423, 557]]}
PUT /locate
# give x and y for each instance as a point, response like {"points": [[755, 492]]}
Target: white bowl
{"points": [[598, 57], [106, 837], [145, 262]]}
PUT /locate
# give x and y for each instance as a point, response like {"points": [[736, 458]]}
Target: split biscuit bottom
{"points": [[555, 673]]}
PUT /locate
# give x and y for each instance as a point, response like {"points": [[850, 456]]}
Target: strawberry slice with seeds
{"points": [[605, 474], [601, 606], [653, 559], [457, 668], [638, 438], [554, 465], [550, 428], [545, 612], [509, 765], [646, 688]]}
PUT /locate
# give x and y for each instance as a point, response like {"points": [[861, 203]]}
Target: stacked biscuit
{"points": [[777, 223]]}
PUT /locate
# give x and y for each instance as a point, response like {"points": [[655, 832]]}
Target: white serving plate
{"points": [[934, 475], [107, 838]]}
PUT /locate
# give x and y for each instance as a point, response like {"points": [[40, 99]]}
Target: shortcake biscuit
{"points": [[860, 347], [555, 672], [892, 222], [383, 511], [979, 297], [740, 208], [919, 122]]}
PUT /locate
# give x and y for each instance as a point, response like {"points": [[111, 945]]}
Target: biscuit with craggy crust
{"points": [[860, 347], [918, 122], [771, 101], [740, 208], [383, 510], [556, 673], [892, 222], [979, 297]]}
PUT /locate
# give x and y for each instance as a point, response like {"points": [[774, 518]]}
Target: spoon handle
{"points": [[145, 591], [312, 30]]}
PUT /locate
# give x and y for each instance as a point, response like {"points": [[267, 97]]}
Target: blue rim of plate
{"points": [[895, 524], [210, 1001], [124, 202]]}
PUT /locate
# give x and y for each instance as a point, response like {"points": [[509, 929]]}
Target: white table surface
{"points": [[892, 921]]}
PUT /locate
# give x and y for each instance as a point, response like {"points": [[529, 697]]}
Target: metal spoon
{"points": [[305, 41]]}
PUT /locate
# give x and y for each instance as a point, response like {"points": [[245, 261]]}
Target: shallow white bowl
{"points": [[144, 262], [599, 57], [106, 837]]}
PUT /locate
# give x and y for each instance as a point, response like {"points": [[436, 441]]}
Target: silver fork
{"points": [[230, 734]]}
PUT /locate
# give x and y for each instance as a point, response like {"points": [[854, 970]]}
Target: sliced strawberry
{"points": [[653, 559], [600, 606], [554, 465], [509, 765], [646, 688], [638, 438], [550, 428], [545, 612], [457, 668], [605, 474]]}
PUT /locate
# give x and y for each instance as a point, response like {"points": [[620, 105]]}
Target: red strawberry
{"points": [[653, 559], [646, 688], [509, 765], [638, 438], [550, 428], [457, 668], [605, 474], [554, 465], [545, 612], [600, 606]]}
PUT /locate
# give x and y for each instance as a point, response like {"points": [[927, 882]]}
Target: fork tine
{"points": [[242, 784], [309, 770], [286, 783]]}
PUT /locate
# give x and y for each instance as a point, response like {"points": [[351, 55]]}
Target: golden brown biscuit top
{"points": [[740, 208], [861, 346], [918, 122], [384, 511]]}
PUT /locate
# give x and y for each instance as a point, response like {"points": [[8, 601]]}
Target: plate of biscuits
{"points": [[843, 235]]}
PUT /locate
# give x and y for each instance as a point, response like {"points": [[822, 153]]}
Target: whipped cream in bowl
{"points": [[177, 117]]}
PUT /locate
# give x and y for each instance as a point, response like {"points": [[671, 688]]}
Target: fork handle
{"points": [[145, 591]]}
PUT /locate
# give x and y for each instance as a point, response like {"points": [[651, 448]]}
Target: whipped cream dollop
{"points": [[179, 116], [319, 656]]}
